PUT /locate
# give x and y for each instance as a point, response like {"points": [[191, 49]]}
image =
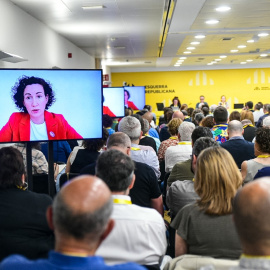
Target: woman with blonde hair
{"points": [[206, 228]]}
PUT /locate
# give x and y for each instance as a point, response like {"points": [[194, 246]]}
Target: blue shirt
{"points": [[57, 261]]}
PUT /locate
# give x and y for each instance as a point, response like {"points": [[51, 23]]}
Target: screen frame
{"points": [[56, 70]]}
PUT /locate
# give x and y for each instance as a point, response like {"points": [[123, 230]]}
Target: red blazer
{"points": [[106, 110], [18, 128]]}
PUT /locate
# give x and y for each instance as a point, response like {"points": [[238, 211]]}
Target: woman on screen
{"points": [[129, 104], [106, 110], [33, 96]]}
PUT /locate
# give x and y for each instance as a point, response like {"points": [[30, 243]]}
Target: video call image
{"points": [[113, 103], [134, 97], [41, 105]]}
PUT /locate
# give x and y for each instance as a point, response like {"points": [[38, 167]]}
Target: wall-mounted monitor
{"points": [[135, 97], [50, 104], [113, 104]]}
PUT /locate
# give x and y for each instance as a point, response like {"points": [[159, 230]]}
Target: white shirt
{"points": [[38, 132], [139, 235], [257, 115], [177, 153]]}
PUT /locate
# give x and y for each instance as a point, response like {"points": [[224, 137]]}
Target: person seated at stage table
{"points": [[23, 225], [173, 140], [262, 152], [176, 104], [223, 102], [86, 154], [206, 227], [202, 102], [33, 96]]}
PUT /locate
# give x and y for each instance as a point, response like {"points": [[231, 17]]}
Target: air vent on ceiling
{"points": [[227, 38], [201, 58], [148, 62]]}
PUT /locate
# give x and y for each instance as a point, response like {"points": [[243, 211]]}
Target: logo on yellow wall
{"points": [[259, 77], [201, 79]]}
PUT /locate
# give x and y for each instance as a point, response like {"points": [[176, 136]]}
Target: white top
{"points": [[257, 115], [139, 235], [177, 153], [38, 132]]}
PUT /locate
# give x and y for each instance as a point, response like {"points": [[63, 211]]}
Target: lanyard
{"points": [[263, 156], [173, 138], [187, 143], [135, 148], [248, 126], [251, 256], [121, 201]]}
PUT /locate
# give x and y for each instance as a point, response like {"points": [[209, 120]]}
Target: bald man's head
{"points": [[82, 208], [235, 128], [252, 218], [148, 116], [178, 114]]}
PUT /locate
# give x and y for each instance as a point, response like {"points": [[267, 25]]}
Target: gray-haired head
{"points": [[146, 126], [130, 126], [212, 108], [185, 130], [118, 139], [203, 143], [116, 169], [199, 117], [266, 121]]}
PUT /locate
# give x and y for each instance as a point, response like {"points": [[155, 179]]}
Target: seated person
{"points": [[183, 150], [146, 139], [107, 123], [80, 217], [206, 227], [87, 154], [139, 234], [61, 151], [23, 225]]}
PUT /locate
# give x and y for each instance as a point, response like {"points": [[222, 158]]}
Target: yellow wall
{"points": [[239, 86]]}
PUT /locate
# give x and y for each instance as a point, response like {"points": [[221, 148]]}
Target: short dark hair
{"points": [[148, 107], [96, 144], [220, 115], [106, 120], [199, 132], [11, 168], [80, 225], [20, 85], [116, 169], [235, 115], [263, 139], [250, 104]]}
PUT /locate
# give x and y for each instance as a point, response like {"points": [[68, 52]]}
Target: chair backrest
{"points": [[65, 177], [41, 184]]}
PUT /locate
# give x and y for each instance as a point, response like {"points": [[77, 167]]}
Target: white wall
{"points": [[23, 35]]}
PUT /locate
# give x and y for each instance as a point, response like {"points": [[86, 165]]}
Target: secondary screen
{"points": [[113, 104]]}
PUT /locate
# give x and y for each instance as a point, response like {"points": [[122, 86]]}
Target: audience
{"points": [[257, 112], [86, 154], [132, 127], [107, 122], [182, 151], [262, 152], [23, 225], [208, 121], [266, 111], [80, 217], [237, 146], [146, 139], [206, 228], [139, 232], [235, 115]]}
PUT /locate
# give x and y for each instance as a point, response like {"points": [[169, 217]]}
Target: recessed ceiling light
{"points": [[195, 43], [190, 48], [234, 50], [249, 60], [214, 62], [251, 41], [217, 59], [242, 63], [223, 8], [212, 22], [263, 55], [180, 61], [223, 56], [93, 7], [263, 35], [241, 46], [209, 64], [200, 36], [187, 52], [183, 57]]}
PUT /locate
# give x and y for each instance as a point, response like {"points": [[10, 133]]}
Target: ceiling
{"points": [[154, 34]]}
